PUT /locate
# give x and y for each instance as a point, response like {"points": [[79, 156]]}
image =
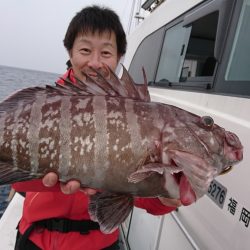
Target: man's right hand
{"points": [[72, 186]]}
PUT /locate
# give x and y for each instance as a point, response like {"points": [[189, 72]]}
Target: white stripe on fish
{"points": [[65, 126], [34, 129], [101, 136]]}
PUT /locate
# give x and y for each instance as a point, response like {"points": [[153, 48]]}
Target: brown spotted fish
{"points": [[107, 134]]}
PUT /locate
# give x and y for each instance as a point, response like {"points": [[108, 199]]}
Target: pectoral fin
{"points": [[110, 210], [151, 168], [146, 171]]}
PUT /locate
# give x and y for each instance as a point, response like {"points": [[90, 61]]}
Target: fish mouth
{"points": [[186, 193], [233, 155], [192, 173], [233, 149]]}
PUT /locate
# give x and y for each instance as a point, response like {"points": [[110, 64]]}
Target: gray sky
{"points": [[31, 31]]}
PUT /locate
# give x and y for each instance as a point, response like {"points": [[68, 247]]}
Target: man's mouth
{"points": [[96, 73], [92, 74]]}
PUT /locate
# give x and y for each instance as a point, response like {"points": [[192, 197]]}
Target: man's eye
{"points": [[85, 50], [106, 53]]}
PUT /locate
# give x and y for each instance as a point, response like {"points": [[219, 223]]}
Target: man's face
{"points": [[94, 50]]}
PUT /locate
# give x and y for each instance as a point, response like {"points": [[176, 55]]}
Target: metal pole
{"points": [[184, 230]]}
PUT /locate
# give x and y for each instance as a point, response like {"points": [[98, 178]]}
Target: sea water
{"points": [[13, 79]]}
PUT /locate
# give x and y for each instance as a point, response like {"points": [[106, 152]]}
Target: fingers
{"points": [[50, 179], [88, 191], [170, 202], [73, 186], [70, 187]]}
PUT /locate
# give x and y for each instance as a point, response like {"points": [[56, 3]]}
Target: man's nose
{"points": [[95, 61]]}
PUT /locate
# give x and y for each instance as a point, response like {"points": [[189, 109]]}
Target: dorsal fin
{"points": [[129, 84], [73, 86], [111, 86], [103, 83], [91, 86], [143, 88]]}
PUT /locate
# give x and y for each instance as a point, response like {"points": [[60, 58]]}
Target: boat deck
{"points": [[9, 221]]}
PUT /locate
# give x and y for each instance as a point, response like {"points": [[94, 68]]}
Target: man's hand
{"points": [[50, 180]]}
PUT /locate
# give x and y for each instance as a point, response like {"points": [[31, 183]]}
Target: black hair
{"points": [[69, 65], [92, 19]]}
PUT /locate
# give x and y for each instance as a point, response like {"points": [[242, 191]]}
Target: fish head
{"points": [[220, 148], [197, 150]]}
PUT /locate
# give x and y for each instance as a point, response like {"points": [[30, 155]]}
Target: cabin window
{"points": [[172, 55], [199, 59], [239, 60], [147, 56], [187, 56]]}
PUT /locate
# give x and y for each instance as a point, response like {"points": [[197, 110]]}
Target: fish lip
{"points": [[232, 148], [233, 155]]}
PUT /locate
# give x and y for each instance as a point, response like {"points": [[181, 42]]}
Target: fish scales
{"points": [[47, 143], [133, 127], [116, 141], [65, 124], [127, 140], [38, 132], [115, 127], [176, 129], [64, 127], [59, 134], [24, 147], [101, 144], [120, 152], [8, 135], [82, 146]]}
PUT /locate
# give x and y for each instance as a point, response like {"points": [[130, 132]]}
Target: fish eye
{"points": [[207, 122]]}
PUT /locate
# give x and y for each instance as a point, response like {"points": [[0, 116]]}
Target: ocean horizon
{"points": [[16, 67]]}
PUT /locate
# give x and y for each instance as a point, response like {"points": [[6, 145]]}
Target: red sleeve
{"points": [[34, 186], [153, 206], [68, 75]]}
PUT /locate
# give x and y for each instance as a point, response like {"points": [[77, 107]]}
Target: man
{"points": [[55, 216]]}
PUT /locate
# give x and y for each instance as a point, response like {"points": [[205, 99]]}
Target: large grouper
{"points": [[106, 133]]}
